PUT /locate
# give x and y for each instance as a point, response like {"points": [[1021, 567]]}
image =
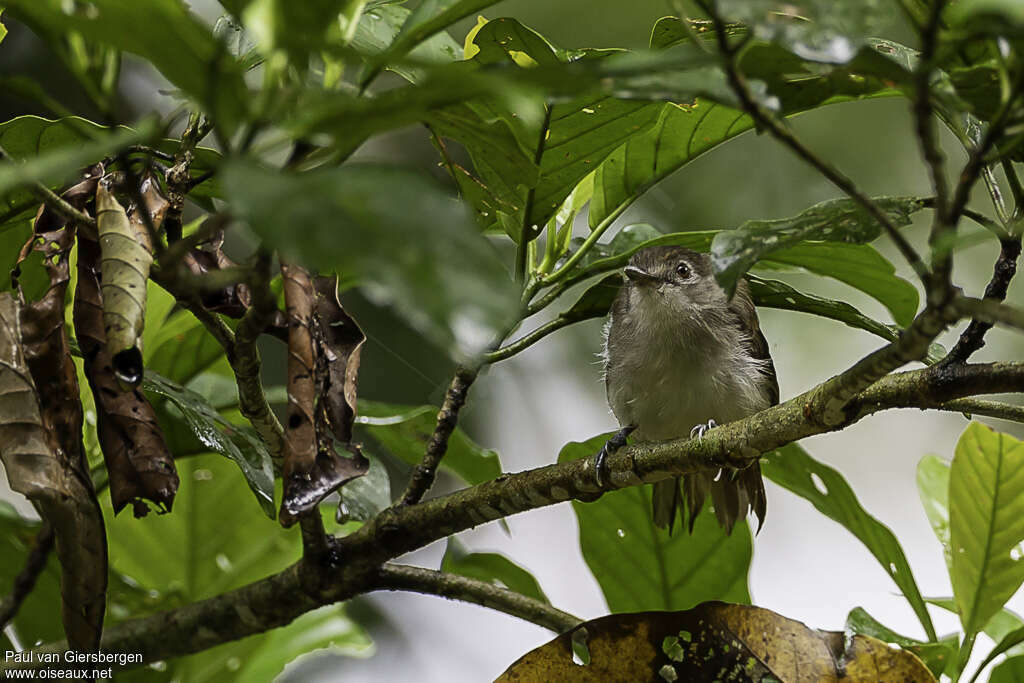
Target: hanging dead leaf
{"points": [[341, 342], [714, 641], [138, 462], [126, 254], [49, 473], [312, 467]]}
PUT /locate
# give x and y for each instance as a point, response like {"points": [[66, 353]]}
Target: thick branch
{"points": [[278, 599], [424, 473], [455, 587], [25, 581]]}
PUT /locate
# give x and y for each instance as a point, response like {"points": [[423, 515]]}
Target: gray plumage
{"points": [[678, 353]]}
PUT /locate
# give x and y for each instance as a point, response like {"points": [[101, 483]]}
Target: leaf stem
{"points": [[587, 245], [25, 581]]}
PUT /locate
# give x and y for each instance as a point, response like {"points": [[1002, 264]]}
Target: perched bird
{"points": [[679, 356]]}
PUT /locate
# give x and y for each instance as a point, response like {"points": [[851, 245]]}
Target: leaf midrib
{"points": [[988, 538]]}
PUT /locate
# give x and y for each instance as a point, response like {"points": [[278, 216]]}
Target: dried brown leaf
{"points": [[44, 462], [715, 641], [138, 462], [312, 467], [341, 342]]}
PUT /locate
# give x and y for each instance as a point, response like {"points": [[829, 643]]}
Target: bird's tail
{"points": [[733, 493]]}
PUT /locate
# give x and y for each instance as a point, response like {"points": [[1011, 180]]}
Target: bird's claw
{"points": [[613, 444], [700, 430]]}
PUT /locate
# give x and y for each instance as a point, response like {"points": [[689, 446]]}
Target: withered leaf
{"points": [[312, 467], [126, 254], [138, 461], [49, 472], [341, 342], [715, 641]]}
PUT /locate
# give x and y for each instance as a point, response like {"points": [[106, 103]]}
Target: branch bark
{"points": [[278, 599]]}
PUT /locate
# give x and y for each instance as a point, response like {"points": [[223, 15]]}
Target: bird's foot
{"points": [[700, 430], [613, 444]]}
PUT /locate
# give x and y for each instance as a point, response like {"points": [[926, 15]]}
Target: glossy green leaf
{"points": [[240, 444], [492, 568], [181, 348], [52, 152], [775, 294], [936, 656], [986, 523], [792, 468], [404, 430], [861, 267], [429, 18], [162, 32], [3, 29], [818, 30], [684, 131], [377, 30], [364, 497], [933, 488], [640, 567], [1009, 671], [368, 220], [999, 627], [211, 544], [734, 252]]}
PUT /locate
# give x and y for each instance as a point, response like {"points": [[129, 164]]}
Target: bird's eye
{"points": [[683, 270]]}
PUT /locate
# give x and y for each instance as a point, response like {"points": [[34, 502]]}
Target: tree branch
{"points": [[455, 587], [424, 473], [25, 581], [278, 599], [766, 120], [973, 338]]}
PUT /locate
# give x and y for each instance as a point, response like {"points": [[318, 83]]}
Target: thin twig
{"points": [[528, 340], [766, 120], [25, 581], [989, 311], [977, 406], [455, 587], [973, 338], [423, 474], [923, 115]]}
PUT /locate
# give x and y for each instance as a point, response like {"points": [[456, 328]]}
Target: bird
{"points": [[681, 356]]}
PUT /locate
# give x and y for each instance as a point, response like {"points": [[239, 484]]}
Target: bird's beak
{"points": [[639, 276]]}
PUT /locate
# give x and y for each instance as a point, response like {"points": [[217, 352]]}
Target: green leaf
{"points": [[211, 544], [377, 29], [364, 497], [181, 348], [367, 220], [998, 628], [734, 252], [240, 444], [986, 523], [818, 30], [51, 152], [933, 488], [163, 33], [684, 131], [792, 468], [295, 28], [1009, 671], [861, 267], [492, 568], [775, 294], [429, 18], [640, 567], [404, 431], [3, 29], [936, 656]]}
